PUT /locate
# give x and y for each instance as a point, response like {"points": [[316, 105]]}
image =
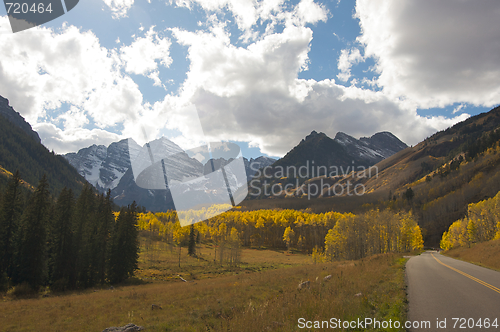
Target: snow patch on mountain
{"points": [[103, 166], [376, 148], [115, 167]]}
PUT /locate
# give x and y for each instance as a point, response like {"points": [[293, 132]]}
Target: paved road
{"points": [[442, 288]]}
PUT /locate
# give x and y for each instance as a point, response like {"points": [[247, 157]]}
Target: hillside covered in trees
{"points": [[481, 224], [444, 173], [19, 151]]}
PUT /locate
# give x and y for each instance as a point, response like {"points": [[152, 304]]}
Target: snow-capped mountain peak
{"points": [[132, 171], [103, 166]]}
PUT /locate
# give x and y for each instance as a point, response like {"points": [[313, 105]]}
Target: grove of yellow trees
{"points": [[481, 224], [372, 233], [340, 235]]}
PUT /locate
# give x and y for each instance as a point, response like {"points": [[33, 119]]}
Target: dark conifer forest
{"points": [[65, 242]]}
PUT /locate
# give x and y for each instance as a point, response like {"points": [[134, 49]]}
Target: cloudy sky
{"points": [[260, 73]]}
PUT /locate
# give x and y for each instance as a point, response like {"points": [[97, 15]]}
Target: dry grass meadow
{"points": [[259, 295], [486, 254]]}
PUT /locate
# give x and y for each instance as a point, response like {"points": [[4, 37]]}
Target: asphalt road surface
{"points": [[442, 288]]}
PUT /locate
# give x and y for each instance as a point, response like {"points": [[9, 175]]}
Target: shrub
{"points": [[23, 290]]}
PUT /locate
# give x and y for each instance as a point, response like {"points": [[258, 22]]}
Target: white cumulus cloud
{"points": [[253, 94], [119, 8], [142, 55], [348, 58], [42, 70], [247, 13], [64, 141], [434, 53]]}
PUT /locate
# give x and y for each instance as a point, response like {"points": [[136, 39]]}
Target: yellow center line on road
{"points": [[469, 276]]}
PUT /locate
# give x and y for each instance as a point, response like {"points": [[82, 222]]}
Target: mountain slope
{"points": [[343, 150], [319, 155], [15, 118], [88, 162], [384, 143], [103, 166], [446, 172], [252, 166], [463, 139], [110, 168], [20, 151], [128, 191]]}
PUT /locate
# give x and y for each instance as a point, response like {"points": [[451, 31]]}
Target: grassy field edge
{"points": [[485, 254]]}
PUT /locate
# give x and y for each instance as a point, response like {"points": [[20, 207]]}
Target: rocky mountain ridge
{"points": [[110, 168], [21, 149], [319, 155], [14, 117], [343, 150]]}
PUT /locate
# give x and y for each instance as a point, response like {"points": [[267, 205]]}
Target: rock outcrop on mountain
{"points": [[88, 162]]}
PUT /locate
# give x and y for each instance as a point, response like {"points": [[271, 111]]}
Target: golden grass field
{"points": [[161, 262], [261, 294], [486, 254]]}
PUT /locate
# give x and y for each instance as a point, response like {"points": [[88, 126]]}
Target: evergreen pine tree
{"points": [[131, 243], [105, 220], [84, 215], [61, 240], [30, 257], [115, 258], [124, 245], [10, 213], [192, 242], [92, 244], [409, 194]]}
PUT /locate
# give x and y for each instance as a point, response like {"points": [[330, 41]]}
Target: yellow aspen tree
{"points": [[317, 255], [445, 242], [234, 239], [180, 234], [288, 236], [417, 242], [471, 231], [497, 235], [335, 241]]}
